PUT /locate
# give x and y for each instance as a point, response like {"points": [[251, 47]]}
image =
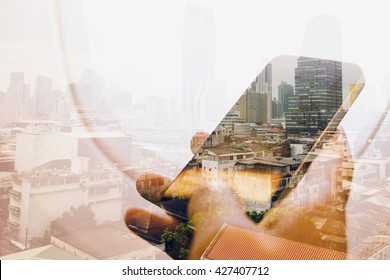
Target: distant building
{"points": [[274, 135], [285, 90], [263, 84], [45, 97], [241, 130], [17, 102], [253, 107], [277, 109], [198, 54], [322, 37]]}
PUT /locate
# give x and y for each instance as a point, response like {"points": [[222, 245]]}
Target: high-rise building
{"points": [[285, 90], [322, 37], [263, 84], [17, 89], [253, 107], [277, 108], [210, 92], [318, 95], [88, 92], [17, 100], [198, 54], [44, 97]]}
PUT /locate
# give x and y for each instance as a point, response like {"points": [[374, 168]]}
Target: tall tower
{"points": [[263, 84], [253, 107], [198, 54], [16, 89], [318, 95], [17, 101], [285, 90], [44, 97], [322, 37]]}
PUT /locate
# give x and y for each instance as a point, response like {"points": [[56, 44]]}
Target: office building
{"points": [[44, 96], [198, 54], [263, 84], [318, 96], [253, 107], [285, 90]]}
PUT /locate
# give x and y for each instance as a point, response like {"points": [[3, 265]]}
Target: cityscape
{"points": [[69, 175], [93, 171]]}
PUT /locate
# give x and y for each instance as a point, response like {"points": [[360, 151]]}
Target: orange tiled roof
{"points": [[233, 243]]}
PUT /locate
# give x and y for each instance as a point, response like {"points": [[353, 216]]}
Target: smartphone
{"points": [[266, 141]]}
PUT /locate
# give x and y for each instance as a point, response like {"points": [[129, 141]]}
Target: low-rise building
{"points": [[219, 163], [43, 194]]}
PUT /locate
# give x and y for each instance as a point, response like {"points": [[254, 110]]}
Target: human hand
{"points": [[211, 205]]}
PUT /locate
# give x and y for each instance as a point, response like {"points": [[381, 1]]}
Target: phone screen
{"points": [[268, 139]]}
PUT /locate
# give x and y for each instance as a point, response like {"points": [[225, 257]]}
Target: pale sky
{"points": [[137, 45]]}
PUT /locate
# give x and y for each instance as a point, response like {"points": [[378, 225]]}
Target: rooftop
{"points": [[105, 242], [227, 151], [279, 162], [48, 252], [276, 130], [99, 134], [234, 243]]}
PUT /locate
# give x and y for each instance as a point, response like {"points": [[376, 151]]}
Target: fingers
{"points": [[145, 218], [198, 140], [149, 224], [152, 186]]}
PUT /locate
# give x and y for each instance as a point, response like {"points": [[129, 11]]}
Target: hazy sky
{"points": [[137, 45]]}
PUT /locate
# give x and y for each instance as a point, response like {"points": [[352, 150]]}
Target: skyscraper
{"points": [[17, 100], [44, 97], [263, 84], [198, 54], [318, 95], [17, 91], [253, 107], [285, 90], [277, 108], [322, 37]]}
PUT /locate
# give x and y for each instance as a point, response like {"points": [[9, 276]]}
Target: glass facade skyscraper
{"points": [[318, 95]]}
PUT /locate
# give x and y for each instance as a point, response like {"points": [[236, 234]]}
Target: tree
{"points": [[256, 217], [178, 242], [75, 219]]}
